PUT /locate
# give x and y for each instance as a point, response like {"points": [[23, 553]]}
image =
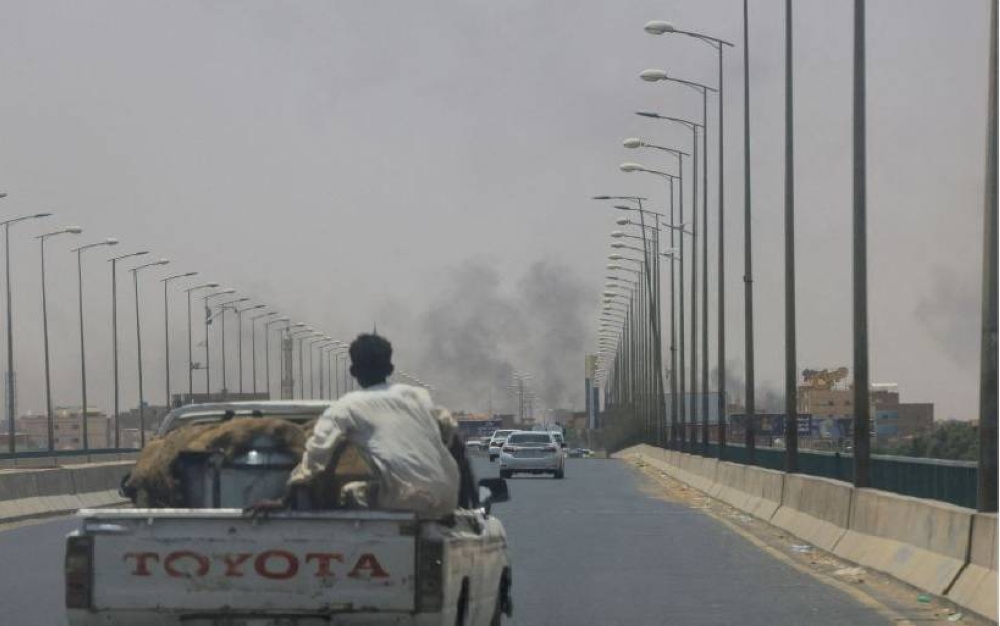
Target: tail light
{"points": [[430, 575], [79, 568], [509, 449], [551, 448]]}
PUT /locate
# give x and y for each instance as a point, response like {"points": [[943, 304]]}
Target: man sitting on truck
{"points": [[396, 427]]}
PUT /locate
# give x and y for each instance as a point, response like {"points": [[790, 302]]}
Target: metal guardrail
{"points": [[954, 482], [54, 458], [39, 454]]}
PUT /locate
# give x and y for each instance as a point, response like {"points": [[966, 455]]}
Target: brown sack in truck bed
{"points": [[153, 483]]}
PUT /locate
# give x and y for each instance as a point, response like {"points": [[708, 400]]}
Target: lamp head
{"points": [[111, 241], [74, 230], [658, 27], [651, 76], [651, 114], [617, 234], [617, 244], [615, 257], [623, 221], [632, 142], [630, 167], [601, 198]]}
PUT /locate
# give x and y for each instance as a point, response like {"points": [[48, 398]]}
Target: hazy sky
{"points": [[426, 166]]}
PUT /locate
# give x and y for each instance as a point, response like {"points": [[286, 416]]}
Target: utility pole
{"points": [[862, 409], [986, 500]]}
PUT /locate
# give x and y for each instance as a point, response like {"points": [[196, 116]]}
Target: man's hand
{"points": [[265, 508]]}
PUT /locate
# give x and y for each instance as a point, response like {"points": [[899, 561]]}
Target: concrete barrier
{"points": [[728, 485], [26, 494], [814, 509], [764, 489], [919, 541], [976, 587]]}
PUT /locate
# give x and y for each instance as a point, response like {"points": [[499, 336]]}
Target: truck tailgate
{"points": [[215, 561]]}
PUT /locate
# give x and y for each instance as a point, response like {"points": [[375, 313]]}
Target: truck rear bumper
{"points": [[157, 618]]}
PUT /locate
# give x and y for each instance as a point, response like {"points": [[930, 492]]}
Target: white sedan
{"points": [[532, 452]]}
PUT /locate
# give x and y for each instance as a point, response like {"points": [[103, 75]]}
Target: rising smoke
{"points": [[950, 312], [767, 397], [479, 331]]}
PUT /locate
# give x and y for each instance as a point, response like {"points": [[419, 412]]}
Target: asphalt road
{"points": [[594, 549]]}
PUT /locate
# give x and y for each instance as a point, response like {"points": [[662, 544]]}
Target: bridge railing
{"points": [[948, 481], [55, 458]]}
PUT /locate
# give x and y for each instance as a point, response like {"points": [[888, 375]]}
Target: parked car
{"points": [[532, 452], [496, 442]]}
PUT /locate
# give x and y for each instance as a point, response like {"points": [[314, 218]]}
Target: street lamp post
{"points": [[239, 337], [11, 381], [110, 241], [750, 426], [791, 367], [299, 335], [654, 75], [986, 500], [138, 336], [307, 344], [114, 336], [267, 352], [45, 331], [336, 354], [191, 365], [166, 326], [659, 28], [222, 330], [253, 344], [208, 352], [862, 408]]}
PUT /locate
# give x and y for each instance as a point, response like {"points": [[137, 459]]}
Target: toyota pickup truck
{"points": [[218, 566]]}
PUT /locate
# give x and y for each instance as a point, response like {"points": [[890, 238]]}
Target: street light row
{"points": [[629, 352], [320, 341]]}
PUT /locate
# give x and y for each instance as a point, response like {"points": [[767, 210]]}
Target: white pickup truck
{"points": [[220, 567]]}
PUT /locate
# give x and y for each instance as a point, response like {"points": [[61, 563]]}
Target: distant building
{"points": [[67, 429], [895, 420], [827, 396]]}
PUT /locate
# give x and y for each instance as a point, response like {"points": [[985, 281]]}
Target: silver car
{"points": [[532, 452]]}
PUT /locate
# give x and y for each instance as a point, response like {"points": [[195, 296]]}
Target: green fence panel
{"points": [[948, 481]]}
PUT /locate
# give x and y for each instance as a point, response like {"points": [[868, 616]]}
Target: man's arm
{"points": [[332, 427]]}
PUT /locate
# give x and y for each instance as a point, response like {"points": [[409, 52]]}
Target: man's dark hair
{"points": [[371, 359]]}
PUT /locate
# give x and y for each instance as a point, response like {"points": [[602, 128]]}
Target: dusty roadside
{"points": [[899, 602]]}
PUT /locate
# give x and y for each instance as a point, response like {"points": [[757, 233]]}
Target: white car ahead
{"points": [[532, 452], [496, 442]]}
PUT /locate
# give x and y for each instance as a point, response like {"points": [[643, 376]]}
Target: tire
{"points": [[559, 474], [506, 474]]}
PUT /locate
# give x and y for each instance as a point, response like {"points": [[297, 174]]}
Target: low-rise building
{"points": [[67, 429]]}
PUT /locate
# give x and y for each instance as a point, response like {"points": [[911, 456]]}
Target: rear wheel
{"points": [[506, 473], [559, 473]]}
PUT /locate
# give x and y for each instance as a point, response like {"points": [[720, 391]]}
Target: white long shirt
{"points": [[395, 425]]}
